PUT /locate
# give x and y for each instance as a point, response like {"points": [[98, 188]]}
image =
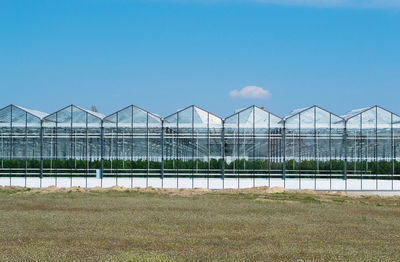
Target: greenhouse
{"points": [[309, 148]]}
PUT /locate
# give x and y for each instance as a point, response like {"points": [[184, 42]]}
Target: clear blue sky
{"points": [[166, 55]]}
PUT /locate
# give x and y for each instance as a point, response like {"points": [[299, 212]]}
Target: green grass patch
{"points": [[131, 225]]}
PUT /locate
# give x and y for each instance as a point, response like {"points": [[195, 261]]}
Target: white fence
{"points": [[208, 183]]}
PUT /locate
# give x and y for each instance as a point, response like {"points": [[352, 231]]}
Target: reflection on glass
{"points": [[253, 143]]}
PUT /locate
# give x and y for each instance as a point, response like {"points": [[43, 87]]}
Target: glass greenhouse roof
{"points": [[36, 113], [202, 116], [354, 112], [96, 114], [295, 112]]}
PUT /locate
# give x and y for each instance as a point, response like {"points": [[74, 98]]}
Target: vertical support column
{"points": [[299, 141], [223, 153], [147, 148], [71, 143], [102, 152], [11, 143], [392, 151], [361, 150], [193, 147], [26, 144], [316, 171], [345, 153], [117, 150], [330, 151], [238, 151], [376, 149], [132, 148], [177, 150], [87, 151], [162, 153], [283, 149], [56, 150], [2, 152], [254, 146], [208, 149], [269, 150], [41, 150]]}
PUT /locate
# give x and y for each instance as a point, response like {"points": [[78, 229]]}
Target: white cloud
{"points": [[253, 92]]}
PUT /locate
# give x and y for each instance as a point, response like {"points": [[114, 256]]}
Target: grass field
{"points": [[170, 225]]}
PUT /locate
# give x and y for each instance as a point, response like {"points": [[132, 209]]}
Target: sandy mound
{"points": [[258, 190], [54, 189], [118, 188]]}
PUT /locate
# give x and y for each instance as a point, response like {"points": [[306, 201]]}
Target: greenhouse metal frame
{"points": [[310, 148]]}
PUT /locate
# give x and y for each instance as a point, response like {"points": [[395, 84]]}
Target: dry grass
{"points": [[198, 225]]}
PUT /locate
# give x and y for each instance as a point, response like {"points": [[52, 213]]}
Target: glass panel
{"points": [[79, 118], [139, 118], [94, 144], [262, 147], [292, 140], [79, 142], [18, 117], [64, 162], [123, 141], [307, 143], [246, 142], [5, 116], [140, 142], [396, 150], [368, 144], [155, 145], [384, 144], [93, 121], [200, 142], [354, 147], [337, 147], [185, 142], [6, 141], [215, 136], [276, 147], [19, 142], [154, 119], [323, 142], [170, 145], [231, 145], [110, 145], [125, 117], [49, 145], [32, 146], [64, 117]]}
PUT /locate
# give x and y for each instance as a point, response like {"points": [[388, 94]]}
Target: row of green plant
{"points": [[260, 166], [367, 167]]}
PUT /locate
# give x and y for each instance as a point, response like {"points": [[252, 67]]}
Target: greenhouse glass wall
{"points": [[309, 148], [132, 144], [253, 144], [71, 143], [314, 145], [21, 147], [193, 144]]}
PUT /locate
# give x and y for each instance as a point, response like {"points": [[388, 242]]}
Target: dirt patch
{"points": [[54, 189], [321, 195]]}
